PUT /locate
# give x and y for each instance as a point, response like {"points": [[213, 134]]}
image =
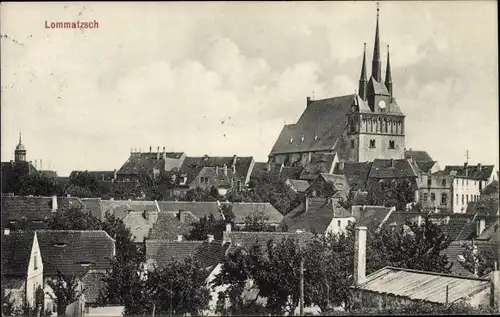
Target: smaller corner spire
{"points": [[388, 73], [362, 78]]}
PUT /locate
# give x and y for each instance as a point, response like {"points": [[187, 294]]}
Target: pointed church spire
{"points": [[362, 77], [388, 75], [376, 63]]}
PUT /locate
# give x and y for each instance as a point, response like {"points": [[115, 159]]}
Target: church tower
{"points": [[20, 152], [375, 124]]}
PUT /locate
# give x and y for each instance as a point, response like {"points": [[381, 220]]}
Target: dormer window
{"points": [[302, 139], [85, 263], [60, 245], [291, 140]]}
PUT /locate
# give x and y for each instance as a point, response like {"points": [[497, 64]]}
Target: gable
{"points": [[16, 252]]}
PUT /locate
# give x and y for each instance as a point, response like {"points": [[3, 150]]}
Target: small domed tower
{"points": [[20, 152]]}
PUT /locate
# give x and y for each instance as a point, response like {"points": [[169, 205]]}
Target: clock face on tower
{"points": [[381, 104]]}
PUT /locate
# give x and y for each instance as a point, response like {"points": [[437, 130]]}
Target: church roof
{"points": [[318, 129], [418, 156], [377, 88]]}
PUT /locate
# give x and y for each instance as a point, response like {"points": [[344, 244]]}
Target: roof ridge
{"points": [[435, 273]]}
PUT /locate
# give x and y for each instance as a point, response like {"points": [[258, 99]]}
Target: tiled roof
{"points": [[30, 212], [207, 253], [92, 285], [216, 176], [473, 171], [94, 205], [240, 210], [192, 166], [247, 239], [400, 218], [139, 163], [425, 166], [392, 169], [13, 282], [356, 173], [337, 181], [120, 208], [418, 156], [457, 248], [299, 185], [75, 252], [371, 215], [491, 188], [317, 218], [484, 207], [489, 232], [291, 172], [98, 175], [259, 167], [318, 129], [319, 163], [16, 252], [421, 285]]}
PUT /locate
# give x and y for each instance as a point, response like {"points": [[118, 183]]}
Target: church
{"points": [[360, 127]]}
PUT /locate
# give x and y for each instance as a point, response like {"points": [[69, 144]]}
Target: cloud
{"points": [[223, 78]]}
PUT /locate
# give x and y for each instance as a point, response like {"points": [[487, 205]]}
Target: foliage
{"points": [[168, 227], [121, 279], [74, 218], [66, 290], [200, 194], [38, 184], [257, 221], [269, 187], [397, 193], [85, 183], [480, 261], [209, 225], [8, 305], [328, 263]]}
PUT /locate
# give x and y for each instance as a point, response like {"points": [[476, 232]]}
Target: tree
{"points": [[37, 184], [479, 261], [74, 218], [206, 225], [257, 221], [66, 290], [269, 187], [396, 193], [200, 194], [121, 279]]}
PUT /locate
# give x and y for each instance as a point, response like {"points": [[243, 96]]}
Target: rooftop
{"points": [[479, 172], [421, 285]]}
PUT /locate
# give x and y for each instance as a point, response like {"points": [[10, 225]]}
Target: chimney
{"points": [[205, 157], [210, 238], [54, 203], [225, 169], [179, 237], [6, 231], [392, 163], [479, 167], [466, 169], [164, 154], [447, 220], [114, 173], [182, 216], [481, 225], [228, 227], [419, 220], [145, 214], [158, 153], [360, 256], [150, 149], [41, 165], [306, 204], [36, 166], [233, 168], [341, 166], [308, 101], [495, 287], [68, 195], [217, 170]]}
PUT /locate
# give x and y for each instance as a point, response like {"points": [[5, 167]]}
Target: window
{"points": [[480, 185], [444, 199], [456, 199], [429, 182], [352, 144], [391, 144], [433, 196], [426, 197], [467, 199], [372, 143], [443, 182], [462, 199], [462, 182], [35, 261], [338, 223]]}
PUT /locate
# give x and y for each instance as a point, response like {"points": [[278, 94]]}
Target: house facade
{"points": [[434, 191], [22, 267], [468, 182]]}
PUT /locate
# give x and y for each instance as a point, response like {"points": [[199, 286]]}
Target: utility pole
{"points": [[302, 287], [467, 156]]}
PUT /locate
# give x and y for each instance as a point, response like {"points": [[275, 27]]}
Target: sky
{"points": [[223, 78]]}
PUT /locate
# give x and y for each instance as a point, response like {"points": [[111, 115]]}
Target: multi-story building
{"points": [[360, 127], [467, 183]]}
